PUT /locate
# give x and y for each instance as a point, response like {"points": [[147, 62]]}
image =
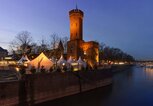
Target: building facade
{"points": [[89, 51], [3, 53]]}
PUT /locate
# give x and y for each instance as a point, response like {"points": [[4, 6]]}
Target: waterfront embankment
{"points": [[131, 87], [37, 88]]}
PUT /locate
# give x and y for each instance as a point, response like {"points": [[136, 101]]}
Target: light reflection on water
{"points": [[131, 87], [149, 73]]}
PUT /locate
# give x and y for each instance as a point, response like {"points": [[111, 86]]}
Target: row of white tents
{"points": [[47, 63]]}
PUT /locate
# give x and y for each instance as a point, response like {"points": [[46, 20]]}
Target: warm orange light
{"points": [[85, 53], [121, 63], [63, 64], [41, 60], [17, 69]]}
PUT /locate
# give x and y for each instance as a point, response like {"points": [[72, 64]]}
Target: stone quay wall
{"points": [[37, 88]]}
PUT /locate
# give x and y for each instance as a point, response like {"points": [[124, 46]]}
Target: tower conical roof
{"points": [[60, 45]]}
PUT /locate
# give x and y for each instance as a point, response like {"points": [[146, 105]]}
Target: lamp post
{"points": [[56, 64]]}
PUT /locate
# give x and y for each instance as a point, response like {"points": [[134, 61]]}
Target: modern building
{"points": [[89, 51]]}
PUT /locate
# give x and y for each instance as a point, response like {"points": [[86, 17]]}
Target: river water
{"points": [[131, 87]]}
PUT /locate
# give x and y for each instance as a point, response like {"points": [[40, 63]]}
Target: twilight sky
{"points": [[126, 24]]}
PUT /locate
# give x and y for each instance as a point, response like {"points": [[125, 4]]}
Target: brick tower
{"points": [[76, 24], [76, 46], [76, 33]]}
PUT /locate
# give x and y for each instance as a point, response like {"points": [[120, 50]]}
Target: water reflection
{"points": [[149, 73], [130, 87]]}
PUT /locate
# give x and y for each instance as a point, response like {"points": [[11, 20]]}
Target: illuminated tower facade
{"points": [[76, 24], [76, 46], [76, 33]]}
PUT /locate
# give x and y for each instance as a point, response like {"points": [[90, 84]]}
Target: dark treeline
{"points": [[107, 53], [23, 43]]}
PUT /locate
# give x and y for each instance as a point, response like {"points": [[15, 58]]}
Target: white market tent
{"points": [[40, 61], [70, 60], [24, 59], [81, 63], [61, 61], [53, 60]]}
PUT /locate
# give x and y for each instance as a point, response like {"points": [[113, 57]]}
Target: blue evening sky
{"points": [[126, 24]]}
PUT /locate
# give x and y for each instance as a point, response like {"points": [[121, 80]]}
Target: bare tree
{"points": [[64, 41], [43, 45], [101, 46], [54, 40], [22, 42]]}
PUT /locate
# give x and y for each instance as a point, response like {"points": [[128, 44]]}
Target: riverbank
{"points": [[88, 98], [131, 87], [87, 94], [38, 88], [120, 68]]}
